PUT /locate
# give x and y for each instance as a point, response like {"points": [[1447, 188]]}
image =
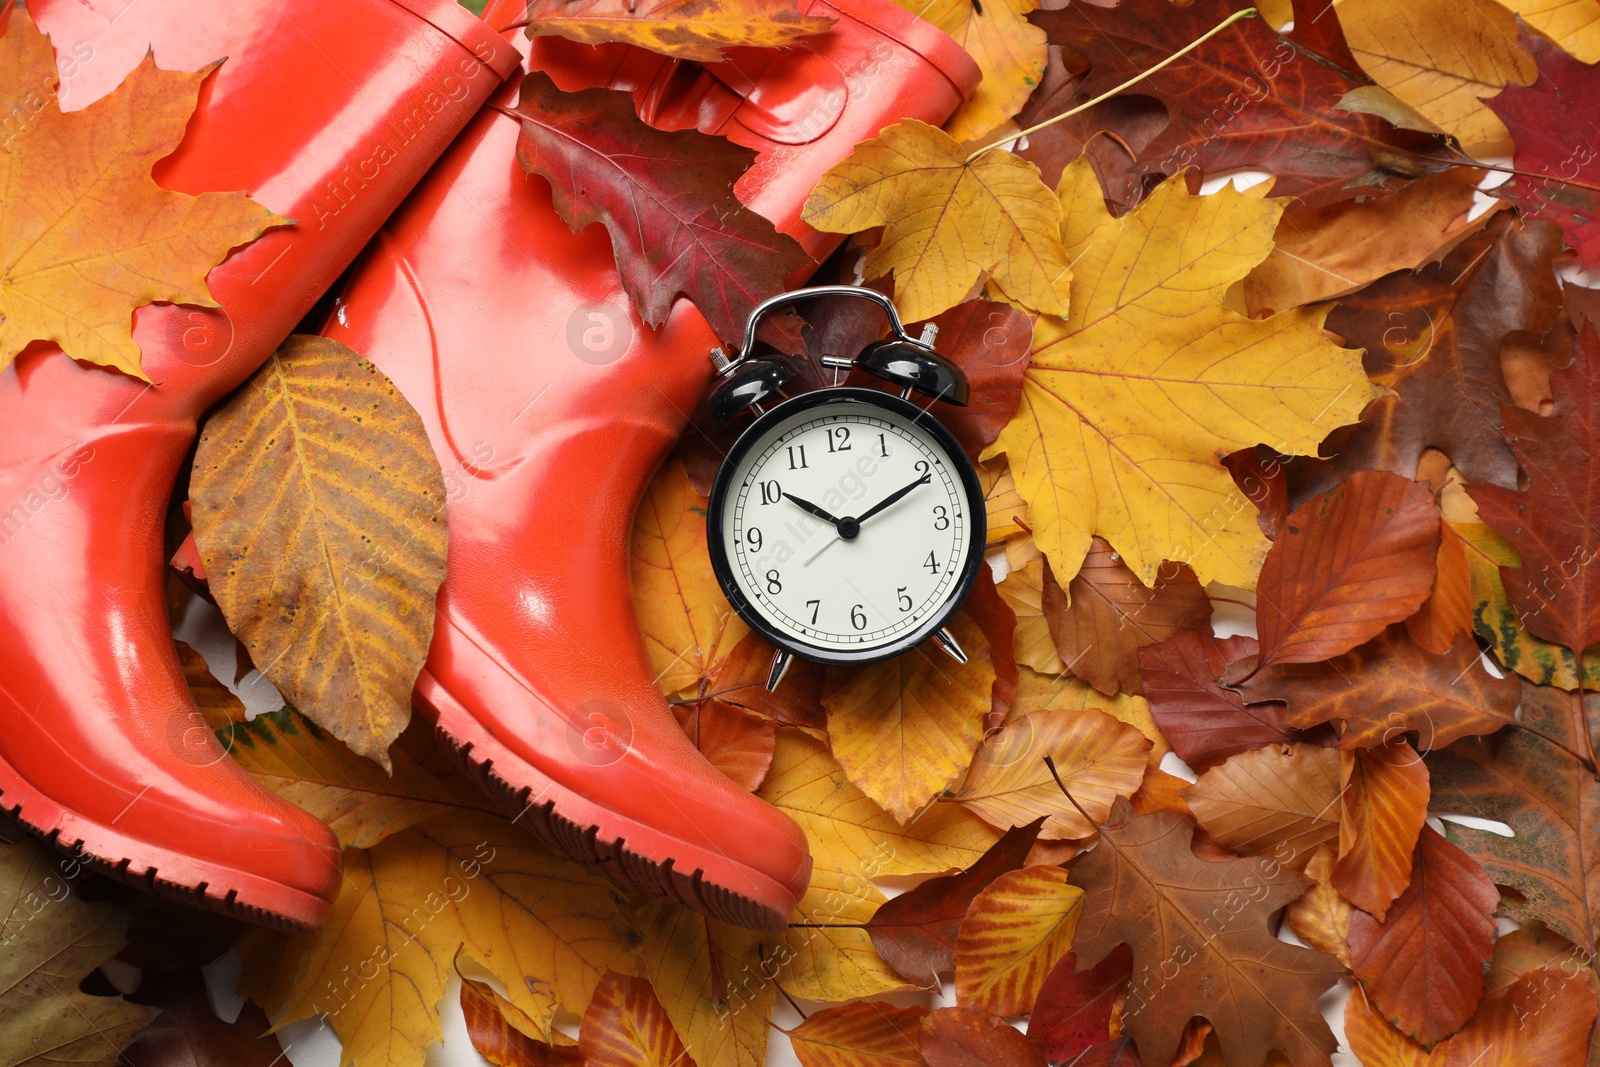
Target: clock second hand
{"points": [[892, 498]]}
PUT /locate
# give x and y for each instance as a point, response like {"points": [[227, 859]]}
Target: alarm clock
{"points": [[846, 524]]}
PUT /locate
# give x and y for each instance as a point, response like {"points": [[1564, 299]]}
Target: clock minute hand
{"points": [[806, 505], [892, 498]]}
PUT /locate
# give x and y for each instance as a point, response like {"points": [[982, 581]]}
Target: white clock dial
{"points": [[898, 551]]}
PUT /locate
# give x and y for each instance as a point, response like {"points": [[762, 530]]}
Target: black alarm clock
{"points": [[846, 525]]}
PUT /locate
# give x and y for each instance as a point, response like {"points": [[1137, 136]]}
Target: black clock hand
{"points": [[806, 505], [891, 498]]}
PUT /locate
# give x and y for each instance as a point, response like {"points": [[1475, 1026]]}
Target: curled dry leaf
{"points": [[1041, 692], [904, 728], [1106, 614], [1131, 399], [1383, 806], [1097, 757], [1205, 721], [1023, 589], [1074, 1008], [1347, 564], [1441, 57], [1559, 178], [1424, 965], [947, 220], [1207, 922], [962, 1037], [665, 197], [915, 932], [1008, 49], [1389, 687], [1248, 97], [319, 511], [685, 29], [1549, 522], [860, 1035], [1013, 934], [625, 1026], [1434, 336], [1281, 802], [89, 235], [1331, 251], [407, 907], [51, 940]]}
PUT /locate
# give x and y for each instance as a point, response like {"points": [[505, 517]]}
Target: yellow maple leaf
{"points": [[685, 29], [1441, 57], [1572, 24], [1008, 48], [946, 220], [905, 728], [1130, 402], [86, 235], [546, 927]]}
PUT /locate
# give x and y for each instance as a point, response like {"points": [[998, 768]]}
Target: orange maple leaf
{"points": [[86, 235]]}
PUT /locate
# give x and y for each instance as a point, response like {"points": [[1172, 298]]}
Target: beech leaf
{"points": [[1424, 965], [962, 1037], [1014, 932], [860, 1035], [625, 1026], [1347, 564], [1276, 801], [1074, 1009], [319, 512], [1206, 722], [1383, 806], [915, 932], [665, 197]]}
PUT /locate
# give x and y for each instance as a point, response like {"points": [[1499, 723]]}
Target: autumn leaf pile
{"points": [[1349, 416]]}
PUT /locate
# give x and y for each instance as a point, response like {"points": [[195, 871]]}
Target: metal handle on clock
{"points": [[725, 365]]}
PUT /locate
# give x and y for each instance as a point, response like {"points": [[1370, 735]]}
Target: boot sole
{"points": [[200, 884], [616, 846]]}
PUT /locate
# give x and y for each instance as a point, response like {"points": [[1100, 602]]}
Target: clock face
{"points": [[846, 525]]}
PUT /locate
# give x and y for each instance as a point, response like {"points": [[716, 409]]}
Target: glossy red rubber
{"points": [[550, 405], [327, 113]]}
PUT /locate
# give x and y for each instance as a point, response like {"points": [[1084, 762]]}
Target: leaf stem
{"points": [[1246, 13]]}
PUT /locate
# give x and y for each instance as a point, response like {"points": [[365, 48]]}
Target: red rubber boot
{"points": [[477, 300], [327, 113]]}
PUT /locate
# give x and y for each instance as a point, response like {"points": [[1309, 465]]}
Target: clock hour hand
{"points": [[806, 505], [892, 498]]}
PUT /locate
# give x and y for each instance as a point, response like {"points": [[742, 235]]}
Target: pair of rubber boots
{"points": [[469, 300]]}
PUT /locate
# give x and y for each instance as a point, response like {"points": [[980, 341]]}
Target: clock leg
{"points": [[780, 667], [945, 640]]}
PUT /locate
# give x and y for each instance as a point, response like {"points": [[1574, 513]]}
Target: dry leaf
{"points": [[1008, 49], [1097, 757], [1013, 934], [1277, 801], [1573, 24], [1105, 615], [1074, 1008], [319, 511], [1130, 402], [903, 729], [946, 220], [1441, 57], [504, 1035], [860, 1035], [89, 235], [50, 939], [722, 1009], [625, 1026], [1383, 805], [1321, 918], [1207, 922], [686, 29], [1423, 966], [546, 927], [1206, 722]]}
